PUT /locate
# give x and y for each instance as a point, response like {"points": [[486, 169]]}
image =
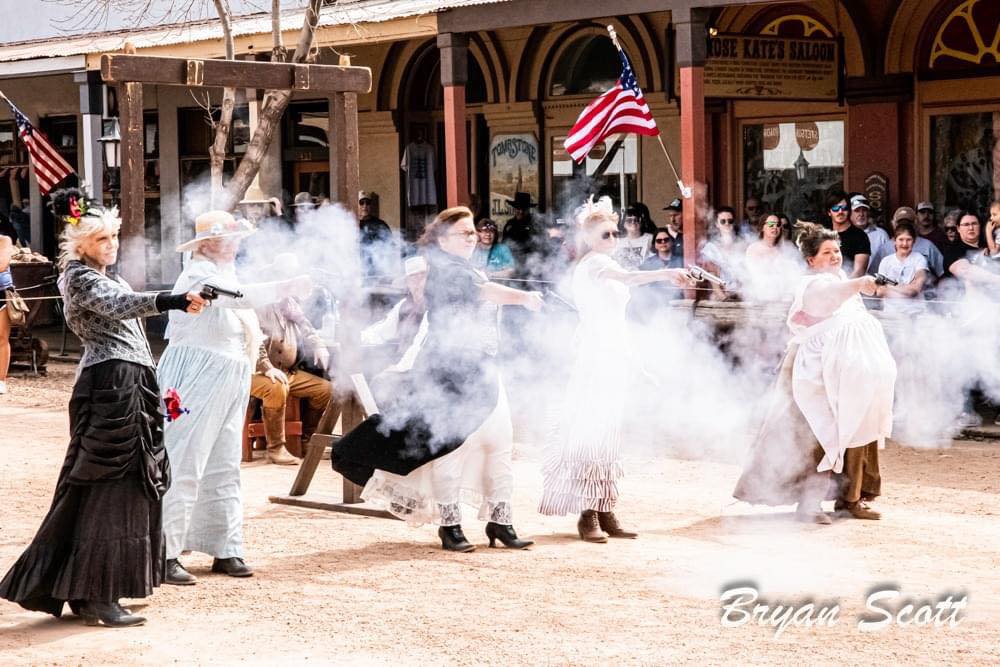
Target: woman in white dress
{"points": [[842, 382], [209, 361], [582, 461]]}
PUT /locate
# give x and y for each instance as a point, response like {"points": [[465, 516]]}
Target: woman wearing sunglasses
{"points": [[635, 246], [492, 256], [444, 435], [582, 462], [771, 263]]}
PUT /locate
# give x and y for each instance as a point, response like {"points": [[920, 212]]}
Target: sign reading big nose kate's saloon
{"points": [[751, 66], [513, 168]]}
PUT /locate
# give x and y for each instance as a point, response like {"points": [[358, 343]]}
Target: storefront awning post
{"points": [[691, 45], [454, 50]]}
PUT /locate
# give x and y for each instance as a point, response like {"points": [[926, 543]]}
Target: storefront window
{"points": [[309, 125], [965, 160], [791, 166], [610, 169]]}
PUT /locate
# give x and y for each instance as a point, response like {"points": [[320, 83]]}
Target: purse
{"points": [[17, 309]]}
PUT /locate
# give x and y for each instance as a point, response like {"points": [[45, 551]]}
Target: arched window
{"points": [[588, 65]]}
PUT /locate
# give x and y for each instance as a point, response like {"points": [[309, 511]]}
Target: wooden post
{"points": [[132, 254], [345, 179], [454, 50], [691, 53]]}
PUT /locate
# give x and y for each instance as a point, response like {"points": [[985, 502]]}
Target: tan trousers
{"points": [[314, 389], [863, 481]]}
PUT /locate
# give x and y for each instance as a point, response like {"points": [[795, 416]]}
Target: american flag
{"points": [[50, 167], [622, 109]]}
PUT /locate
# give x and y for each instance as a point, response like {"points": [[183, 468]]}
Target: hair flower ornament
{"points": [[77, 209], [590, 208]]}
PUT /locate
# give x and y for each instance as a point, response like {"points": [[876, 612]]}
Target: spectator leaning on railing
{"points": [[905, 267]]}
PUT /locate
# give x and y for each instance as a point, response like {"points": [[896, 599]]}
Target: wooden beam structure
{"points": [[129, 72], [123, 68]]}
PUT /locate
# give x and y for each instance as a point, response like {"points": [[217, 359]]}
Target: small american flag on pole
{"points": [[622, 109], [50, 167]]}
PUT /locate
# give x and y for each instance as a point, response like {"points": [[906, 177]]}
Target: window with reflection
{"points": [[964, 161], [611, 168], [791, 166]]}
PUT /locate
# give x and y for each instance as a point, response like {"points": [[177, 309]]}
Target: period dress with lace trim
{"points": [[101, 539], [582, 463], [451, 393]]}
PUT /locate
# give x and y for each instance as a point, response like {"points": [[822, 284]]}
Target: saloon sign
{"points": [[752, 66]]}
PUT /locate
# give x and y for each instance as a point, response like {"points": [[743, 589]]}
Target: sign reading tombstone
{"points": [[513, 168], [758, 67]]}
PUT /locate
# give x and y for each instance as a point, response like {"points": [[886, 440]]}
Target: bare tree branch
{"points": [[278, 51], [217, 152], [272, 108]]}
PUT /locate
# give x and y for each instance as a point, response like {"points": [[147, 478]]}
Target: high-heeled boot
{"points": [[506, 535], [609, 524], [453, 539], [589, 529], [110, 614]]}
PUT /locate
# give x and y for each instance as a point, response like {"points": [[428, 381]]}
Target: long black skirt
{"points": [[427, 412], [102, 538]]}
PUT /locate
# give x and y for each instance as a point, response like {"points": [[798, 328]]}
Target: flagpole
{"points": [[684, 190]]}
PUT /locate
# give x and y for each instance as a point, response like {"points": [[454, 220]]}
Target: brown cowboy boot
{"points": [[609, 524], [274, 429], [859, 510], [811, 512], [589, 529], [310, 420]]}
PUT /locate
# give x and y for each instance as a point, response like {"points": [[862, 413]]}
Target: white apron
{"points": [[844, 375]]}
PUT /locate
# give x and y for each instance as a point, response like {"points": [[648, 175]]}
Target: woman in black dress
{"points": [[101, 539], [451, 398]]}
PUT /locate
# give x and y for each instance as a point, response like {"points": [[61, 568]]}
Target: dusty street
{"points": [[332, 588]]}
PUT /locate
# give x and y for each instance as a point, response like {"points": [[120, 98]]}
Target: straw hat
{"points": [[412, 265], [216, 225]]}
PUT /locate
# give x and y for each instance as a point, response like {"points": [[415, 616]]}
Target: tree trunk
{"points": [[217, 152], [272, 109]]}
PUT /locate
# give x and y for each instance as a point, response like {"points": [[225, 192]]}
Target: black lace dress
{"points": [[102, 539]]}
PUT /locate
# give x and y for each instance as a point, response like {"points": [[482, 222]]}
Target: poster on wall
{"points": [[513, 168], [756, 67]]}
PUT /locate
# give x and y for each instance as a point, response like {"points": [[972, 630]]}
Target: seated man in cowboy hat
{"points": [[525, 237], [291, 342]]}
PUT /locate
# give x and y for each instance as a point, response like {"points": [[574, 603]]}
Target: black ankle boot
{"points": [[506, 535], [175, 574], [110, 614], [453, 539]]}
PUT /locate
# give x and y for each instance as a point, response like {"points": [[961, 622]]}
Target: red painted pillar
{"points": [[454, 51], [456, 154], [693, 163], [692, 48]]}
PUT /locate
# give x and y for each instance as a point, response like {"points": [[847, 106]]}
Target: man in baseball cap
{"points": [[927, 225], [861, 218]]}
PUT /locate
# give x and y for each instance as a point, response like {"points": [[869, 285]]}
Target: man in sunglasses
{"points": [[753, 214], [675, 226], [854, 244]]}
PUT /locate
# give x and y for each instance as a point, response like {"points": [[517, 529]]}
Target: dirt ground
{"points": [[341, 589]]}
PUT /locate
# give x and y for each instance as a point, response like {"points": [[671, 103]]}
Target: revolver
{"points": [[211, 292], [882, 280], [699, 274]]}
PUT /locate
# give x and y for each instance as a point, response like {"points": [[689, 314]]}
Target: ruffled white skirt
{"points": [[478, 474]]}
